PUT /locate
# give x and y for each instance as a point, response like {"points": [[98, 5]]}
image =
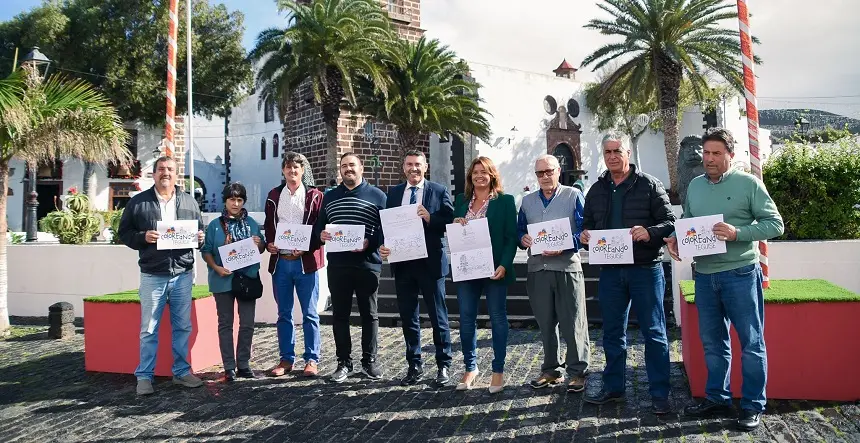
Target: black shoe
{"points": [[245, 373], [413, 375], [707, 408], [603, 397], [442, 377], [372, 370], [344, 370], [230, 375], [660, 406], [748, 420]]}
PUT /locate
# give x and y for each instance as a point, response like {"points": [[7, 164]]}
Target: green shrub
{"points": [[76, 224], [817, 189]]}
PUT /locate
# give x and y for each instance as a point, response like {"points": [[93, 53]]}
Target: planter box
{"points": [[112, 334], [811, 330]]}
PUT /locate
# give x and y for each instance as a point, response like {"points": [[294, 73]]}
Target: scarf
{"points": [[237, 228]]}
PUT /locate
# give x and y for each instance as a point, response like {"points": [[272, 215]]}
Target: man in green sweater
{"points": [[729, 285]]}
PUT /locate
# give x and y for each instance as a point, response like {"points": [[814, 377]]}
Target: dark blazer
{"points": [[645, 204], [314, 259], [437, 201], [502, 218]]}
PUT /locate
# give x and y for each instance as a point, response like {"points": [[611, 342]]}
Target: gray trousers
{"points": [[558, 302], [224, 302]]}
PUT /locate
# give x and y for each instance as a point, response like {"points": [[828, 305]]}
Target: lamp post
{"points": [[38, 61], [802, 125]]}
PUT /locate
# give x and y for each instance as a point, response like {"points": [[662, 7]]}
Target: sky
{"points": [[810, 49]]}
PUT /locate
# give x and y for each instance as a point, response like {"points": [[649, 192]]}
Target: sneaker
{"points": [[577, 384], [344, 370], [311, 369], [372, 370], [144, 387], [707, 409], [546, 380], [283, 368], [660, 406], [748, 420], [603, 397], [188, 380]]}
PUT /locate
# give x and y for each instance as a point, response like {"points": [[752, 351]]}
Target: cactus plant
{"points": [[76, 224]]}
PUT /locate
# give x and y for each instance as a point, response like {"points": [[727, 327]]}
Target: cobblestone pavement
{"points": [[45, 395]]}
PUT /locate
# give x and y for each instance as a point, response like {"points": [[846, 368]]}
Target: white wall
{"points": [[836, 261], [102, 269], [247, 128]]}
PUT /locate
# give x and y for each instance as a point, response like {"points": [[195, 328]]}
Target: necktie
{"points": [[412, 198]]}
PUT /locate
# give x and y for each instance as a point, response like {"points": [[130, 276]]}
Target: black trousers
{"points": [[364, 283], [410, 280]]}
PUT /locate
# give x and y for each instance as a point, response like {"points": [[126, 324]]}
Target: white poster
{"points": [[404, 233], [553, 235], [178, 234], [345, 238], [610, 247], [240, 254], [471, 250], [696, 236], [291, 236]]}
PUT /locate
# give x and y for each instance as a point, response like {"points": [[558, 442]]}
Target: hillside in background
{"points": [[781, 121]]}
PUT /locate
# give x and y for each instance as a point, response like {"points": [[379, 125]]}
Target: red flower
{"points": [[73, 190]]}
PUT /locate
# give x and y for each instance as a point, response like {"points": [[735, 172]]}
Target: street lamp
{"points": [[802, 125], [40, 62]]}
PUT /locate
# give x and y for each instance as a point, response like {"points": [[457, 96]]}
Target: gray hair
{"points": [[612, 137], [549, 159]]}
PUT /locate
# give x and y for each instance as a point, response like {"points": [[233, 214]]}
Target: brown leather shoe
{"points": [[311, 369], [283, 368]]}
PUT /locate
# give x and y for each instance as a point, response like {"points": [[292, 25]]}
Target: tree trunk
{"points": [[634, 146], [4, 289], [408, 141], [669, 76], [89, 183], [330, 117]]}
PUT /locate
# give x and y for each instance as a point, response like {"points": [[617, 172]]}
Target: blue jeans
{"points": [[733, 296], [156, 291], [289, 275], [468, 296], [644, 287]]}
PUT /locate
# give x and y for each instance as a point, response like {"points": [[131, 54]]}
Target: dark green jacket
{"points": [[502, 219]]}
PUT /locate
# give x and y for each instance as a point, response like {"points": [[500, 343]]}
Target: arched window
{"points": [[567, 162], [275, 145], [263, 148]]}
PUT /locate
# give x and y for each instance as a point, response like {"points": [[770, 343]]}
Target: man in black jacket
{"points": [[165, 275], [626, 198]]}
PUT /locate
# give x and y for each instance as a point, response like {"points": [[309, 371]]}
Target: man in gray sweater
{"points": [[556, 286]]}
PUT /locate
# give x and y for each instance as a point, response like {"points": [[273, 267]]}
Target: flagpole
{"points": [[190, 118]]}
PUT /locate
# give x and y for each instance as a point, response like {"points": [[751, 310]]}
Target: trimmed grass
{"points": [[790, 291], [197, 292]]}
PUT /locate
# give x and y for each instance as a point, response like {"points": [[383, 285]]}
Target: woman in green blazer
{"points": [[484, 198]]}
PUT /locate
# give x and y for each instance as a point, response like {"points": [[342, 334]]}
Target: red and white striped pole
{"points": [[172, 30], [752, 113]]}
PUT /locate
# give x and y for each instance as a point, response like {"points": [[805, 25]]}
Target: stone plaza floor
{"points": [[46, 396]]}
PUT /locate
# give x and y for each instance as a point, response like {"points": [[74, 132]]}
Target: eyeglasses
{"points": [[545, 173]]}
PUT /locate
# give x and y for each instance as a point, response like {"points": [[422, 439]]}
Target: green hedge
{"points": [[816, 188], [197, 292], [790, 291]]}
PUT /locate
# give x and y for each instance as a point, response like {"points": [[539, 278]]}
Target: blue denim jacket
{"points": [[215, 238]]}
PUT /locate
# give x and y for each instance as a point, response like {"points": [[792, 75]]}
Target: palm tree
{"points": [[44, 121], [666, 41], [428, 91], [327, 45]]}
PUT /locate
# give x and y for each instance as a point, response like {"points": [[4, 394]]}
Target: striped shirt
{"points": [[359, 206]]}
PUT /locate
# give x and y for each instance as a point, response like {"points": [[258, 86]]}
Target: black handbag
{"points": [[244, 287]]}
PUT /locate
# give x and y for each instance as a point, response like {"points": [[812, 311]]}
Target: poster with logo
{"points": [[240, 254], [696, 236], [404, 233], [290, 236], [610, 247], [471, 250], [178, 234], [553, 235], [344, 238]]}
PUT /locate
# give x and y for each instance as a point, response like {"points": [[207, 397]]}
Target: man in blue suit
{"points": [[426, 275]]}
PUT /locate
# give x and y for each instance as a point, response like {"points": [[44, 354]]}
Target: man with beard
{"points": [[425, 275], [354, 202], [165, 275]]}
